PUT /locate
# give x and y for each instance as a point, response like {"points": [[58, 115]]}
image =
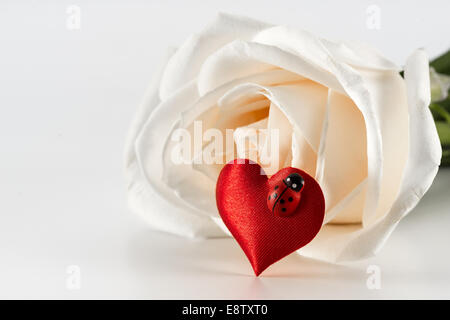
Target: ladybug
{"points": [[284, 196]]}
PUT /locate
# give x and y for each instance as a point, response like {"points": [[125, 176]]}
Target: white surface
{"points": [[59, 207]]}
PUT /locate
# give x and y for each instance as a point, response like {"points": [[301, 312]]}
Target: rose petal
{"points": [[303, 156], [303, 104], [424, 157], [352, 242], [307, 45], [150, 102], [347, 166], [387, 97], [276, 148], [349, 208], [271, 77], [320, 158], [354, 85], [186, 62], [192, 185], [237, 115], [240, 59], [345, 151], [361, 55], [151, 199], [390, 103]]}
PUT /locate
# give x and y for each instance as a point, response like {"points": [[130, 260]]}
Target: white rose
{"points": [[345, 116]]}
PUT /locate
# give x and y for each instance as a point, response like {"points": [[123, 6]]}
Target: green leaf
{"points": [[442, 63], [445, 161], [443, 129], [441, 109], [439, 112], [439, 85], [445, 103]]}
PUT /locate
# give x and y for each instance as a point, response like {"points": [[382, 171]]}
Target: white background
{"points": [[67, 98]]}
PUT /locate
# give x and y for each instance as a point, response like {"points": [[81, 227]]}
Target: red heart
{"points": [[241, 194]]}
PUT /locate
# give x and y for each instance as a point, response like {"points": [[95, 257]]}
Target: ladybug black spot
{"points": [[290, 199], [269, 197], [275, 195], [276, 187], [282, 201], [283, 209]]}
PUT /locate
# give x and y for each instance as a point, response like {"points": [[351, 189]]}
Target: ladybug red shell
{"points": [[284, 196]]}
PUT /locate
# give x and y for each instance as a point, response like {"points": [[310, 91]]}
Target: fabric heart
{"points": [[242, 193]]}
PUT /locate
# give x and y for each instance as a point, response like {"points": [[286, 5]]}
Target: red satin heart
{"points": [[241, 195]]}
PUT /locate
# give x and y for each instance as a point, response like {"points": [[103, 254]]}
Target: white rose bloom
{"points": [[344, 114]]}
